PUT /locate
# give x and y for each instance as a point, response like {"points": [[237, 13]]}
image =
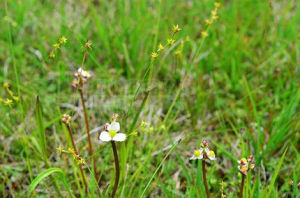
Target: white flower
{"points": [[203, 152], [111, 133], [198, 154], [83, 73], [210, 154]]}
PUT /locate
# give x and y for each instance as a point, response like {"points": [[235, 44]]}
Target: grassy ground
{"points": [[238, 88]]}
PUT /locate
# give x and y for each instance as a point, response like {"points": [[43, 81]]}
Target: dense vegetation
{"points": [[176, 73]]}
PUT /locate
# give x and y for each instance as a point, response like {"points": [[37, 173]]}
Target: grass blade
{"points": [[45, 174], [40, 125], [275, 174], [155, 172]]}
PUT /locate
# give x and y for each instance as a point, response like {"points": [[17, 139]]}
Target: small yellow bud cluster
{"points": [[214, 12], [214, 16], [71, 151], [178, 51], [145, 127], [204, 34], [162, 127], [176, 28], [134, 133], [56, 46], [9, 102], [144, 124], [170, 42], [223, 185], [154, 55]]}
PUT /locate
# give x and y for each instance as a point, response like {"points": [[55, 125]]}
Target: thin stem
{"points": [[76, 151], [88, 133], [204, 179], [117, 166], [242, 186], [83, 59]]}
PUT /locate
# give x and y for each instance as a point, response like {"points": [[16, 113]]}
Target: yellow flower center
{"points": [[244, 168], [243, 161], [197, 153], [211, 154], [112, 133]]}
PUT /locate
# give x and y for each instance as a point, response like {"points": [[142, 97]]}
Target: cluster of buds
{"points": [[71, 151], [147, 128], [66, 119], [81, 77], [223, 185], [213, 17], [246, 164], [87, 46], [112, 131], [9, 102], [56, 46], [114, 117], [170, 42], [178, 51], [144, 124], [204, 152]]}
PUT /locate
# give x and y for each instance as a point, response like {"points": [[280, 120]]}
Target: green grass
{"points": [[238, 88]]}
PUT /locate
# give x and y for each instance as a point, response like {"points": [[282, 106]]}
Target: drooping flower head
{"points": [[204, 152], [112, 131], [246, 164]]}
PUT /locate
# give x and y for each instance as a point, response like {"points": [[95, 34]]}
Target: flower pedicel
{"points": [[112, 134]]}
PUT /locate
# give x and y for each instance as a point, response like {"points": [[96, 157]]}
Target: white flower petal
{"points": [[86, 74], [201, 156], [196, 158], [212, 157], [119, 137], [193, 157], [114, 126], [104, 136]]}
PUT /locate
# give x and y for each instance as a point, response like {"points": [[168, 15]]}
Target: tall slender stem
{"points": [[204, 179], [83, 59], [76, 151], [88, 134], [117, 166], [242, 186]]}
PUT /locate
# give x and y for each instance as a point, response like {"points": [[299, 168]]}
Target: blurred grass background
{"points": [[241, 93]]}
